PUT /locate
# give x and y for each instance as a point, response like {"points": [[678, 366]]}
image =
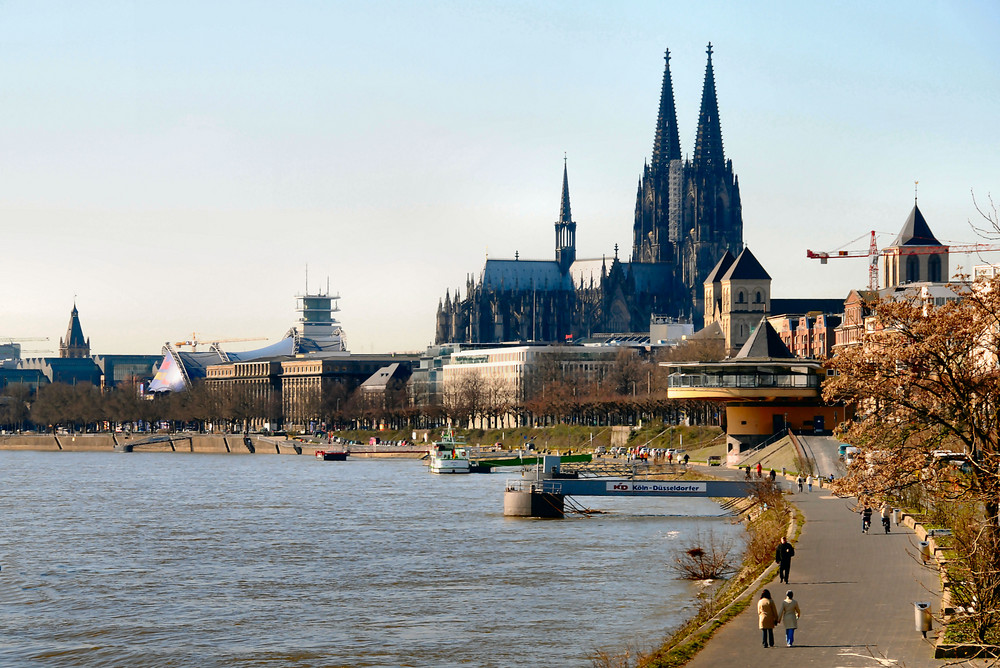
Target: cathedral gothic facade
{"points": [[687, 216]]}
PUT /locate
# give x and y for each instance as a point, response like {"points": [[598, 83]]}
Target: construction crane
{"points": [[194, 342], [873, 253], [14, 339]]}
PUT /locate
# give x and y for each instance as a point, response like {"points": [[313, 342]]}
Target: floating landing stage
{"points": [[544, 497]]}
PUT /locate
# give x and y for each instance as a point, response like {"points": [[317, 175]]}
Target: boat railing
{"points": [[534, 486]]}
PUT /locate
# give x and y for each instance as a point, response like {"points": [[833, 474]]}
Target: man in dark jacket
{"points": [[783, 557]]}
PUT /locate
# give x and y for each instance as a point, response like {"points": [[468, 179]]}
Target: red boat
{"points": [[332, 456]]}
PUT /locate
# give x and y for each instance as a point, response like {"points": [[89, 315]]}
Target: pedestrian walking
{"points": [[747, 469], [809, 482], [759, 469], [783, 557], [767, 615], [800, 480], [772, 475], [686, 459], [788, 616]]}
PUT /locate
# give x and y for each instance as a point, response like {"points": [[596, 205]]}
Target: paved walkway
{"points": [[856, 593]]}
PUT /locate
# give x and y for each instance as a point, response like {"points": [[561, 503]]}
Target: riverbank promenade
{"points": [[856, 593]]}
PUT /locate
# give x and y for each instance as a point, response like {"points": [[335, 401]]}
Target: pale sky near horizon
{"points": [[176, 166]]}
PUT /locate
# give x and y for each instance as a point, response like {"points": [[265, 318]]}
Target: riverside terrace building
{"points": [[766, 389]]}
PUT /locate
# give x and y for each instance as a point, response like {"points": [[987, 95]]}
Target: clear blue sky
{"points": [[177, 165]]}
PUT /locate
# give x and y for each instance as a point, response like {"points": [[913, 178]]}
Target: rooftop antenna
{"points": [[307, 278], [327, 285]]}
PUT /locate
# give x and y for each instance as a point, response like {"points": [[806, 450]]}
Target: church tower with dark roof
{"points": [[74, 345], [915, 255]]}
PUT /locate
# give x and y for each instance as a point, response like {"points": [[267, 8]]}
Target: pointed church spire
{"points": [[667, 144], [565, 228], [564, 212], [708, 146]]}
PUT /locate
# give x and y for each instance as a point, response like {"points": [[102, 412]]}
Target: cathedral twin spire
{"points": [[667, 144], [708, 145]]}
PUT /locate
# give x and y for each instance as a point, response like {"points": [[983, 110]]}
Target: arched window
{"points": [[912, 268], [740, 299], [934, 268], [759, 299]]}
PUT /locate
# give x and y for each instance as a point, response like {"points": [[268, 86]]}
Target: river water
{"points": [[175, 559]]}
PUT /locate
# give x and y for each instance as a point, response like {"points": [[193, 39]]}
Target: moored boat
{"points": [[332, 455], [449, 455]]}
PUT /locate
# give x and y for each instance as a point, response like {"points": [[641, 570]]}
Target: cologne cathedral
{"points": [[687, 215]]}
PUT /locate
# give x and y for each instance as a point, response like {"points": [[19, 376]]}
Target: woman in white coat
{"points": [[788, 615]]}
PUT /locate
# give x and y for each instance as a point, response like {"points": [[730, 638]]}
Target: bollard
{"points": [[922, 617], [925, 550], [895, 516]]}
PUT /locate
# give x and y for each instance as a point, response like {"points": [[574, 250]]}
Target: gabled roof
{"points": [[746, 267], [916, 232], [764, 343], [721, 267]]}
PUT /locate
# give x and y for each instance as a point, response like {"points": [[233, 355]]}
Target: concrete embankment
{"points": [[200, 443]]}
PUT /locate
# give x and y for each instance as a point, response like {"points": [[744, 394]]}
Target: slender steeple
{"points": [[565, 227], [565, 216], [667, 144], [708, 145]]}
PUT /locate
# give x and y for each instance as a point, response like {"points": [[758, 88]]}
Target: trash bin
{"points": [[895, 516], [922, 617], [925, 550]]}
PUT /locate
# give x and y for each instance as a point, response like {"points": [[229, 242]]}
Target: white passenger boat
{"points": [[449, 455]]}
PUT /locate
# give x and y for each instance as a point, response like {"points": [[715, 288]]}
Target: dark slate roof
{"points": [[746, 267], [803, 306], [524, 275], [74, 333], [721, 267], [764, 343], [916, 232]]}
